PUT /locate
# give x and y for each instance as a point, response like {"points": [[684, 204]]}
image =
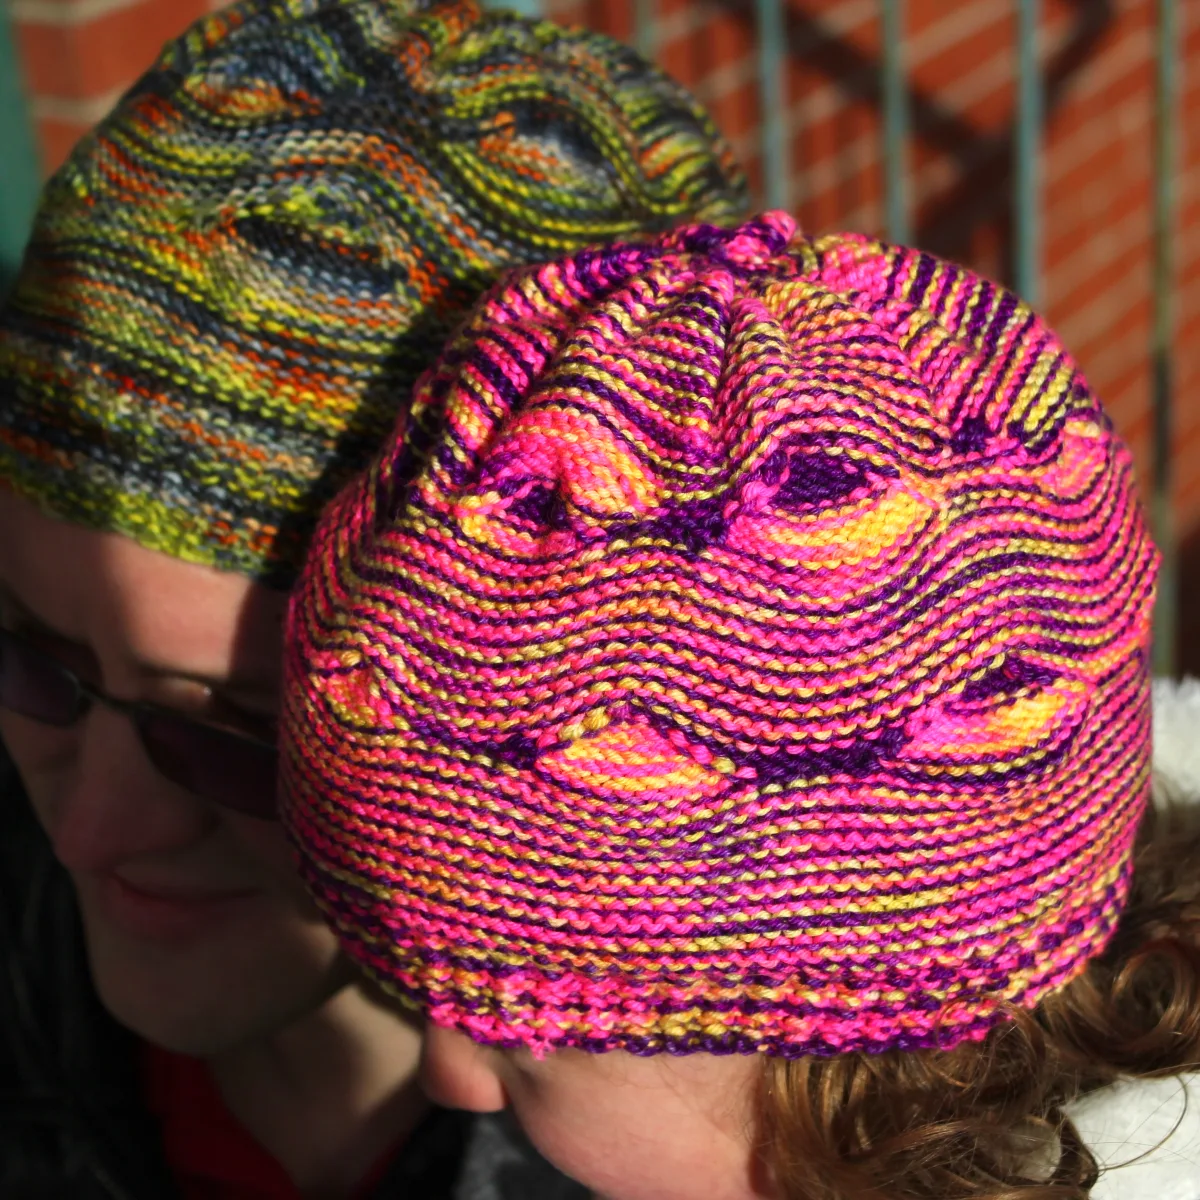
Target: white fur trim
{"points": [[1147, 1134], [1177, 736]]}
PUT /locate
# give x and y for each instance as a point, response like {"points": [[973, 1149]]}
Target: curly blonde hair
{"points": [[987, 1120]]}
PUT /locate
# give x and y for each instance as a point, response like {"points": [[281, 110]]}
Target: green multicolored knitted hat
{"points": [[236, 278]]}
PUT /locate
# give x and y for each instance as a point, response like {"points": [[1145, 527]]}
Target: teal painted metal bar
{"points": [[1028, 150], [1166, 105], [527, 8], [776, 156], [895, 121], [645, 28], [19, 174]]}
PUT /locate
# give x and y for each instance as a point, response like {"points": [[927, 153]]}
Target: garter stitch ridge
{"points": [[741, 646], [237, 276]]}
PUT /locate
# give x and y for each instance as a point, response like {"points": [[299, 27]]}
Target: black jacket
{"points": [[73, 1124]]}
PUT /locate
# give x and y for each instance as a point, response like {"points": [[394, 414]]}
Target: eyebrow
{"points": [[228, 685]]}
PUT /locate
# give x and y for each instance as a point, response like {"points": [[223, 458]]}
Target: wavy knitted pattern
{"points": [[237, 277], [742, 648]]}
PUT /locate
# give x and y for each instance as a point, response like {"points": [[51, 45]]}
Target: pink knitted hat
{"points": [[739, 646]]}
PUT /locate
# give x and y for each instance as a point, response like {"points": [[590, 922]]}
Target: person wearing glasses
{"points": [[229, 291]]}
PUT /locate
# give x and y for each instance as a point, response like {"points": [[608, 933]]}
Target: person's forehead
{"points": [[105, 590]]}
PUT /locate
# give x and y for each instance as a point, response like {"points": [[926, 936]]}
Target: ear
{"points": [[458, 1073]]}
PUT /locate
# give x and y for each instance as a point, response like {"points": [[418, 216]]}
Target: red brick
{"points": [[724, 40], [568, 12], [736, 112], [1117, 255], [614, 17], [1097, 117], [55, 140], [101, 55], [932, 25], [972, 78]]}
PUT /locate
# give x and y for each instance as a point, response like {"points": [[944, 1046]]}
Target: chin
{"points": [[203, 995]]}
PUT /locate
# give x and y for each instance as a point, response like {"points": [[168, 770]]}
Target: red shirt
{"points": [[211, 1156]]}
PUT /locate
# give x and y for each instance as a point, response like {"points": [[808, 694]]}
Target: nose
{"points": [[458, 1073], [113, 805]]}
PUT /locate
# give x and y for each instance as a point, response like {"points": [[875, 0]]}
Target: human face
{"points": [[199, 934], [630, 1128]]}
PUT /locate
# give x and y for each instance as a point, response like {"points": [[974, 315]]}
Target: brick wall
{"points": [[79, 55], [1099, 72]]}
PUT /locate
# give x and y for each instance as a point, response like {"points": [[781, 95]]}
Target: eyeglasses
{"points": [[235, 770]]}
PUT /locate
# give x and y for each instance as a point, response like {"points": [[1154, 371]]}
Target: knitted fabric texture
{"points": [[743, 647], [236, 278]]}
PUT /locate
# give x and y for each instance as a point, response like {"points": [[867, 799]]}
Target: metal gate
{"points": [[19, 181]]}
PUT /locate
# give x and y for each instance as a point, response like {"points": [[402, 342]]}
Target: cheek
{"points": [[265, 844], [32, 744], [579, 1132], [265, 840], [43, 756]]}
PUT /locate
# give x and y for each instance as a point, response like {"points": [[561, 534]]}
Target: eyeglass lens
{"points": [[35, 686], [218, 765], [223, 767]]}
